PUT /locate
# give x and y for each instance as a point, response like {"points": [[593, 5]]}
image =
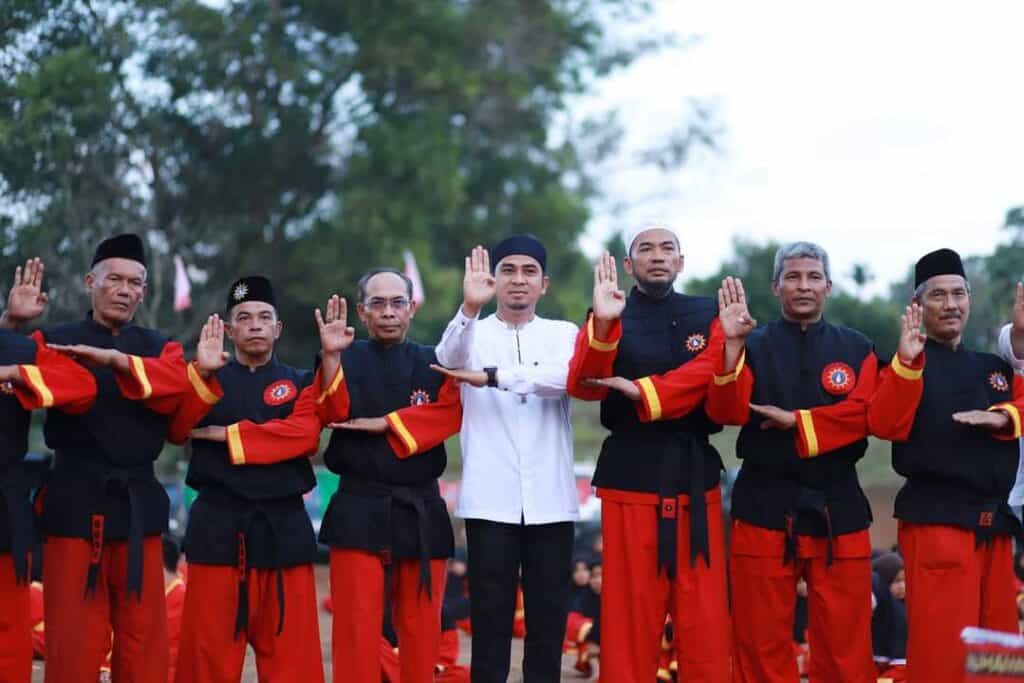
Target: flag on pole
{"points": [[182, 287], [413, 273]]}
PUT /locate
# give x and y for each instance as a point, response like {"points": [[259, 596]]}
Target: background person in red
{"points": [[800, 388], [953, 416], [664, 546]]}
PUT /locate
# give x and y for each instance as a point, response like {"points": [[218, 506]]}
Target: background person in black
{"points": [[953, 416], [31, 376], [103, 510], [250, 543]]}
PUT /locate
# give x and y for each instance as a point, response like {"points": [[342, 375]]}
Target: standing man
{"points": [[31, 376], [103, 510], [800, 389], [250, 543], [953, 416], [661, 504], [518, 493], [387, 525]]}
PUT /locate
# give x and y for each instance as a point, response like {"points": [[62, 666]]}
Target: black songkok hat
{"points": [[252, 288], [940, 262], [128, 245], [520, 245]]}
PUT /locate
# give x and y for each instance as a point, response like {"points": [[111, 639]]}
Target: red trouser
{"points": [[78, 626], [764, 602], [952, 583], [209, 651], [357, 592], [636, 596], [15, 626]]}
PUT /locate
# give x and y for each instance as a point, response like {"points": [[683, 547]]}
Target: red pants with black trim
{"points": [[78, 626], [357, 594], [209, 652], [952, 583], [636, 596], [764, 604], [15, 625]]}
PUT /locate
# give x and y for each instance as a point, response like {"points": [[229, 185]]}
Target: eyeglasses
{"points": [[378, 305]]}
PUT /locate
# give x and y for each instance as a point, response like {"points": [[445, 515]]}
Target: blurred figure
{"points": [[889, 617], [583, 625]]}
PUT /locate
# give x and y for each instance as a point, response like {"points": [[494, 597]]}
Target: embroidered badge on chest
{"points": [[998, 381], [419, 397], [279, 393], [695, 343], [838, 378]]}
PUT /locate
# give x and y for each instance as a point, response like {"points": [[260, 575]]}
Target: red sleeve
{"points": [[897, 395], [675, 393], [592, 358], [419, 428], [1014, 409], [55, 381], [193, 405], [826, 428], [160, 382], [294, 436], [728, 399]]}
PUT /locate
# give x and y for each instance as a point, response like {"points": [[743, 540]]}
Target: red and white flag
{"points": [[182, 287], [413, 273]]}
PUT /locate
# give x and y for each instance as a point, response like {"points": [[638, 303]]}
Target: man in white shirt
{"points": [[518, 493], [1011, 348]]}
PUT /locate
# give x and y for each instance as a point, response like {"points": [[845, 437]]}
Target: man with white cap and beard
{"points": [[657, 475]]}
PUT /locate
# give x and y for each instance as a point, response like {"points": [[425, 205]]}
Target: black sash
{"points": [[675, 451], [415, 497]]}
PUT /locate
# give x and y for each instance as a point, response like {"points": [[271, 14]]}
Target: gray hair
{"points": [[923, 287], [99, 270], [800, 250]]}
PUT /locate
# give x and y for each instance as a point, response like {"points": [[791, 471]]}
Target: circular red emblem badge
{"points": [[279, 392], [838, 378], [695, 343], [419, 397], [998, 381]]}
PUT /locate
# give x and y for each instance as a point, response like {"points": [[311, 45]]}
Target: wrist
{"points": [[470, 310], [8, 322]]}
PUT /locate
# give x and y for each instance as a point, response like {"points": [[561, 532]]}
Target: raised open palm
{"points": [[27, 300], [335, 333], [609, 300], [478, 285], [911, 338], [210, 353]]}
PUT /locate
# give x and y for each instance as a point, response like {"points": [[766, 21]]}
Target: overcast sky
{"points": [[881, 130]]}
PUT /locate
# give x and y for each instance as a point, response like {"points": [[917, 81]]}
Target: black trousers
{"points": [[497, 551]]}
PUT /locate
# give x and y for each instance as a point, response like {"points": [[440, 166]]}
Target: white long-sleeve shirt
{"points": [[517, 458], [1006, 351]]}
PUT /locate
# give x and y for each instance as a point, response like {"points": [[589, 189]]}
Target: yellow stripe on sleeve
{"points": [[596, 343], [200, 387], [807, 420], [139, 370], [1014, 414], [235, 449], [722, 380], [651, 397], [335, 383], [38, 384], [403, 433], [903, 371]]}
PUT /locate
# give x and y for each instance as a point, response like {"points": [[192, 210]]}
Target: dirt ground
{"points": [[568, 674]]}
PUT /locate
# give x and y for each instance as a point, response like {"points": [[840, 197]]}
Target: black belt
{"points": [[14, 490], [669, 475], [989, 519], [807, 500], [415, 497], [118, 482]]}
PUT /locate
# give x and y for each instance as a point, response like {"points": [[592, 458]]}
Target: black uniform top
{"points": [[386, 504], [658, 457], [788, 365], [588, 603], [15, 507], [957, 474], [104, 457], [264, 502]]}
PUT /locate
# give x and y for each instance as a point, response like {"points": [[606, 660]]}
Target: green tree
{"points": [[303, 140]]}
